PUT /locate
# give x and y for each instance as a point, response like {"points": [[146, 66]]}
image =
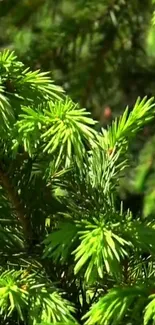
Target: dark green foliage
{"points": [[101, 52]]}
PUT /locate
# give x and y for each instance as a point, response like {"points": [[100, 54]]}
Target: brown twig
{"points": [[15, 202], [125, 270]]}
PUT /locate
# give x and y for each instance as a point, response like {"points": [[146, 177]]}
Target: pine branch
{"points": [[105, 46], [15, 202]]}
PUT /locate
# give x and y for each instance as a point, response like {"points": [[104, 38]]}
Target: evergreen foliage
{"points": [[70, 253]]}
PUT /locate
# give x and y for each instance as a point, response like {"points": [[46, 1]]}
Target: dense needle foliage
{"points": [[70, 252]]}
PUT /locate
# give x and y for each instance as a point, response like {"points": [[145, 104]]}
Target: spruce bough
{"points": [[68, 254]]}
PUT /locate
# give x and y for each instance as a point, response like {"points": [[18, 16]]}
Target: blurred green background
{"points": [[102, 52]]}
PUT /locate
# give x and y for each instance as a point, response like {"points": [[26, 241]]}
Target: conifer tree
{"points": [[70, 254]]}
